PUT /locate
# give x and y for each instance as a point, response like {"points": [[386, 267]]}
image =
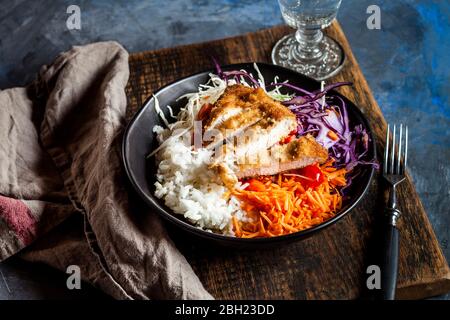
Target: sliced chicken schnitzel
{"points": [[256, 124], [251, 113]]}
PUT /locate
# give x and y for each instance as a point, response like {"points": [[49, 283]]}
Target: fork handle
{"points": [[389, 267]]}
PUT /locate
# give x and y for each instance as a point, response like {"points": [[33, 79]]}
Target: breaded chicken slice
{"points": [[297, 154], [253, 116]]}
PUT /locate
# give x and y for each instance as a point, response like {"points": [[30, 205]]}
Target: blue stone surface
{"points": [[406, 64]]}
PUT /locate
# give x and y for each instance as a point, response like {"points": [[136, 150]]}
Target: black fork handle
{"points": [[389, 267]]}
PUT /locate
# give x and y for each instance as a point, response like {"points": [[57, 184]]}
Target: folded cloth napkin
{"points": [[62, 186]]}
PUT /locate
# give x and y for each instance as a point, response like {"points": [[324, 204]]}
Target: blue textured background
{"points": [[406, 64]]}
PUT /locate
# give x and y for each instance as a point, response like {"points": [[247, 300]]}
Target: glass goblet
{"points": [[308, 50]]}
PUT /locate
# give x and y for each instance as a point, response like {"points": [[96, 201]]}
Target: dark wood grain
{"points": [[331, 264]]}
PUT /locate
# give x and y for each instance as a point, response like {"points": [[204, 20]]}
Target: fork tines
{"points": [[396, 147]]}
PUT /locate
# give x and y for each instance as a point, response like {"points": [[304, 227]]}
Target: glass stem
{"points": [[309, 40]]}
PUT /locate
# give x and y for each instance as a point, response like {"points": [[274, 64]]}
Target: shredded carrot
{"points": [[332, 135], [237, 230], [281, 204], [261, 225]]}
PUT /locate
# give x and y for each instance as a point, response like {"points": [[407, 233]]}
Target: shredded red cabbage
{"points": [[235, 74], [349, 148]]}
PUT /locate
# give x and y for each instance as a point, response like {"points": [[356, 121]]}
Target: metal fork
{"points": [[394, 167]]}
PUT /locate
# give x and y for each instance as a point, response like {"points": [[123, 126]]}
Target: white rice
{"points": [[191, 189], [184, 181]]}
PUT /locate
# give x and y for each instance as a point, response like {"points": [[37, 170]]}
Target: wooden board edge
{"points": [[135, 55], [433, 288]]}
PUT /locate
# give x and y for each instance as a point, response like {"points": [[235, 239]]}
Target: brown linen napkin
{"points": [[59, 158]]}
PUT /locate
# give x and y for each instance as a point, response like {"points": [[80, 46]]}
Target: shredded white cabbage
{"points": [[159, 112], [260, 80], [207, 93]]}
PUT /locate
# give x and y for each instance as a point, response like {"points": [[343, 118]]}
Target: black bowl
{"points": [[139, 141]]}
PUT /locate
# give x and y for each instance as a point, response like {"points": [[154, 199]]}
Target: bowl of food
{"points": [[249, 154]]}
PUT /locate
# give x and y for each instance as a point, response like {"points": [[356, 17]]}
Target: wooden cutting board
{"points": [[331, 264]]}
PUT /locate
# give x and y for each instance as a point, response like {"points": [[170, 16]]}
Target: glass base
{"points": [[286, 53]]}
